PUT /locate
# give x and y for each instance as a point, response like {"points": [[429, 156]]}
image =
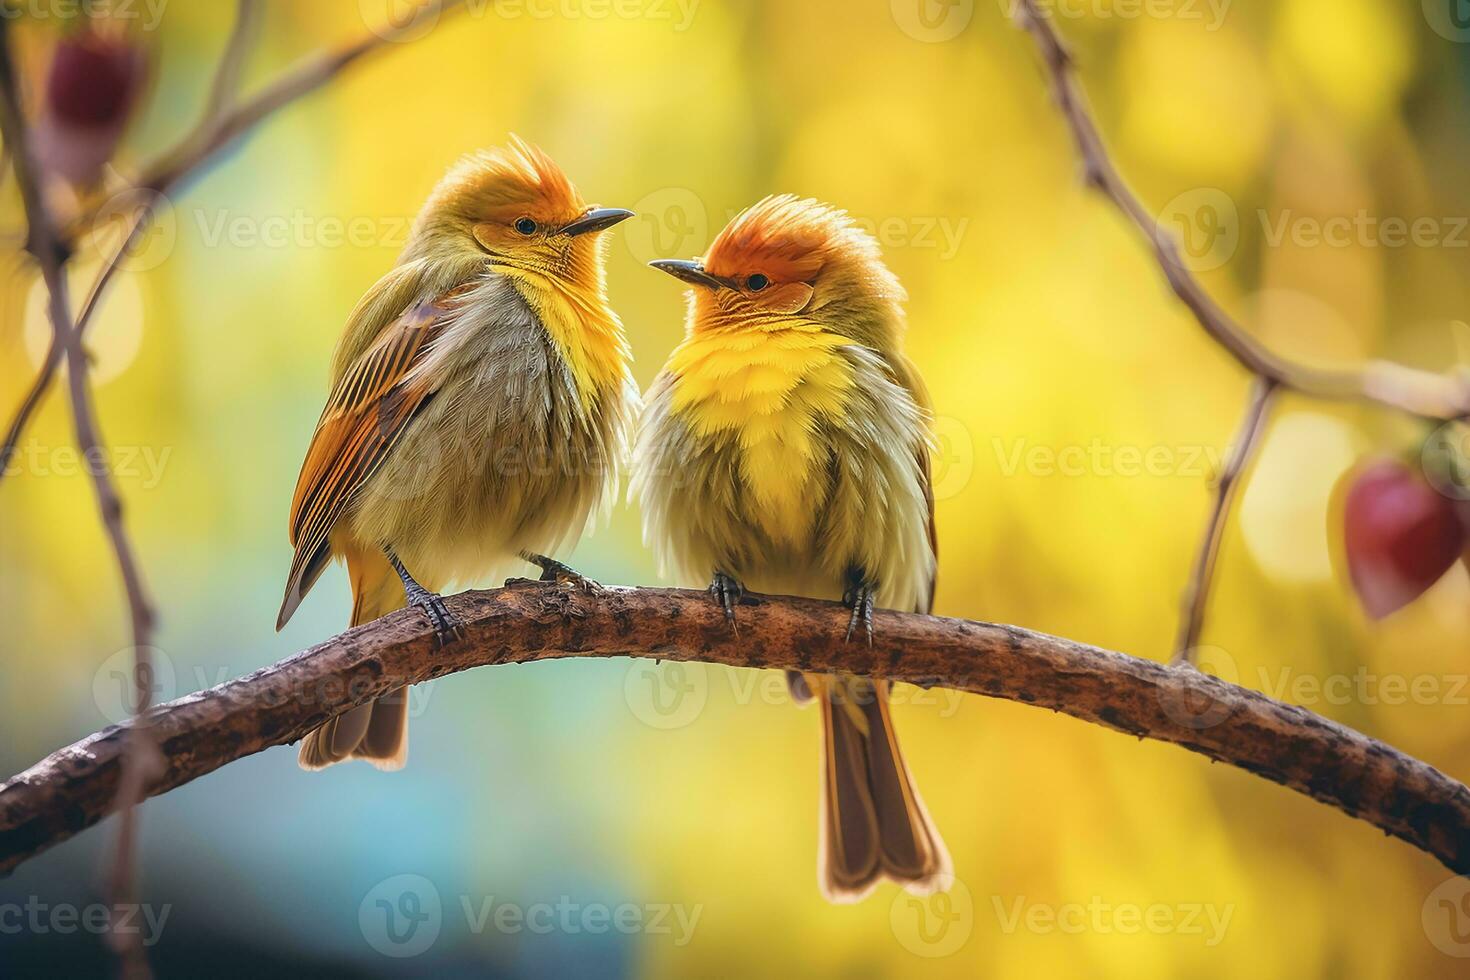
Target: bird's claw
{"points": [[860, 598], [447, 628], [728, 592], [562, 574]]}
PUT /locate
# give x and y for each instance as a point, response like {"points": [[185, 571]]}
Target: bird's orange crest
{"points": [[504, 183], [788, 239]]}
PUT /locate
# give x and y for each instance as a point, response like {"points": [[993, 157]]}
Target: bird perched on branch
{"points": [[785, 447], [480, 407]]}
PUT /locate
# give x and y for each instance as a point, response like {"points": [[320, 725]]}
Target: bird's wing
{"points": [[368, 410], [908, 376], [926, 473]]}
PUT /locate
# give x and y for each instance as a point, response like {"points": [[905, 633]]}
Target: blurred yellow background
{"points": [[1081, 413]]}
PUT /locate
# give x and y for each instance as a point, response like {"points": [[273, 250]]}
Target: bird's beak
{"points": [[690, 272], [598, 219]]}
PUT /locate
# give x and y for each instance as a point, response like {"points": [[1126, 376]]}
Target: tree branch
{"points": [[176, 167], [140, 759], [224, 122], [1227, 486], [226, 84], [525, 622], [1421, 393]]}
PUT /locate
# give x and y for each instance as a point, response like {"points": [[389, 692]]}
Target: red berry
{"points": [[1401, 535], [93, 80], [90, 89]]}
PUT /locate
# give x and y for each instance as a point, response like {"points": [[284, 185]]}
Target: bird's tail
{"points": [[376, 732], [873, 822]]}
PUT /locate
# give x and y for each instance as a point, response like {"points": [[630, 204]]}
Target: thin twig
{"points": [[1227, 484], [226, 86], [174, 169], [1421, 393], [52, 361], [45, 245], [530, 621], [192, 156]]}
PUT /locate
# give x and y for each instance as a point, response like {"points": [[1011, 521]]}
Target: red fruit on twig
{"points": [[1401, 535], [92, 85]]}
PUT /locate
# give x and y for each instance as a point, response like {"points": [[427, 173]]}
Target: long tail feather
{"points": [[873, 822], [376, 732]]}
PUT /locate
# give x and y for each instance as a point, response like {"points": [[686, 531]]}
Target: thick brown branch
{"points": [[524, 622], [1227, 486], [1423, 393]]}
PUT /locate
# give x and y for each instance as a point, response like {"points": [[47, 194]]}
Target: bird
{"points": [[480, 410], [785, 447]]}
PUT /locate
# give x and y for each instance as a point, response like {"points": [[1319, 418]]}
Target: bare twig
{"points": [[1422, 393], [175, 168], [45, 245], [226, 86], [192, 156], [1227, 484], [528, 621], [54, 351]]}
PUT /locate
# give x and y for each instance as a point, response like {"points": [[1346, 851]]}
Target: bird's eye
{"points": [[526, 226], [757, 282]]}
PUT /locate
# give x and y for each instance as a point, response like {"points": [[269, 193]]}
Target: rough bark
{"points": [[74, 788]]}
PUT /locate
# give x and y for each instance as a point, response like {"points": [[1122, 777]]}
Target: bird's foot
{"points": [[554, 571], [859, 598], [447, 628], [727, 591]]}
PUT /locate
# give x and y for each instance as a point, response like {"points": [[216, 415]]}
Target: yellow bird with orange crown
{"points": [[785, 448], [480, 409]]}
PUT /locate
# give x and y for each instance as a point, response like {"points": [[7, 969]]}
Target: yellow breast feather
{"points": [[770, 389], [586, 331]]}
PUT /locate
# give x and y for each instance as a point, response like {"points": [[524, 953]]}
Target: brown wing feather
{"points": [[368, 410]]}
